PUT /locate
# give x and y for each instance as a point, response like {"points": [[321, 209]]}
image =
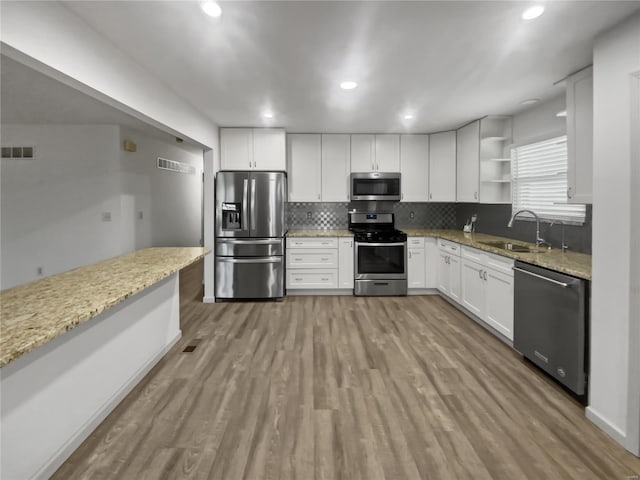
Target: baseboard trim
{"points": [[422, 291], [603, 424], [50, 467], [320, 291]]}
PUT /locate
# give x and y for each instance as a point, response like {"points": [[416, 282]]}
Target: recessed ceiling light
{"points": [[267, 115], [531, 101], [561, 113], [211, 8], [408, 116], [348, 85], [533, 12]]}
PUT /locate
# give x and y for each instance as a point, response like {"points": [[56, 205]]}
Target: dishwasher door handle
{"points": [[561, 284]]}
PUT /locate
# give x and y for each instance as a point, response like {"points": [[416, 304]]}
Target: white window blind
{"points": [[539, 180]]}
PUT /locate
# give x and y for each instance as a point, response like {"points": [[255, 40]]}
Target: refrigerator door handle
{"points": [[253, 204], [245, 201], [250, 260], [253, 241]]}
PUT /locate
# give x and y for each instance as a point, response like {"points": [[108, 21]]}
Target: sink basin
{"points": [[514, 247]]}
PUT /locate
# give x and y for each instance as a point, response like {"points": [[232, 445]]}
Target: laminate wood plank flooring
{"points": [[343, 388]]}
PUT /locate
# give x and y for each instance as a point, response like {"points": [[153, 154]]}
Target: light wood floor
{"points": [[344, 388]]}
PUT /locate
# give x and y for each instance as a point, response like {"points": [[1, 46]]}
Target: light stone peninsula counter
{"points": [[319, 233], [38, 312], [571, 263]]}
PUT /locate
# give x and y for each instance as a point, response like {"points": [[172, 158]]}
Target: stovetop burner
{"points": [[375, 228]]}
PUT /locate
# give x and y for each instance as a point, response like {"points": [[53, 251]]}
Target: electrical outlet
{"points": [[309, 215], [412, 214], [39, 271], [106, 216], [140, 215]]}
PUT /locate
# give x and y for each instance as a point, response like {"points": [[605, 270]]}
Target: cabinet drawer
{"points": [[474, 255], [449, 247], [415, 242], [312, 242], [312, 279], [312, 258], [500, 263]]}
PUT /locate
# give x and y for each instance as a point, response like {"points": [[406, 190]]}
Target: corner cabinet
{"points": [[253, 149], [580, 137], [468, 163], [442, 167]]}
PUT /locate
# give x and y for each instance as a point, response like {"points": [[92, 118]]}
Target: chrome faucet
{"points": [[539, 240]]}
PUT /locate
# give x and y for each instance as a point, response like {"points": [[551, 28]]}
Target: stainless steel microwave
{"points": [[375, 186]]}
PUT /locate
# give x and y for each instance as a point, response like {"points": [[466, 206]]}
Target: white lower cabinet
{"points": [[431, 262], [487, 288], [345, 262], [448, 271], [416, 265], [319, 263]]}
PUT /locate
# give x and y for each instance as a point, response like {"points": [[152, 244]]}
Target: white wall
{"points": [[540, 122], [614, 403], [170, 202], [50, 38], [52, 206]]}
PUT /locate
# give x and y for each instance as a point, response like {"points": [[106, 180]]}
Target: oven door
{"points": [[376, 261]]}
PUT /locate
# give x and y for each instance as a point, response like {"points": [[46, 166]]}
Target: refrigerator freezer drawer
{"points": [[254, 247], [244, 278]]}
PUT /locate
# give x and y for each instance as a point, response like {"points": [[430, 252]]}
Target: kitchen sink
{"points": [[514, 247]]}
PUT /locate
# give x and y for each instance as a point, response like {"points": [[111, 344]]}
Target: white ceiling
{"points": [[448, 62]]}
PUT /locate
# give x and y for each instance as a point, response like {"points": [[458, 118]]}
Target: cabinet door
{"points": [[345, 262], [444, 273], [442, 167], [499, 302], [414, 167], [336, 166], [580, 136], [269, 149], [303, 167], [387, 155], [431, 260], [415, 268], [455, 288], [468, 159], [236, 148], [362, 153], [471, 277]]}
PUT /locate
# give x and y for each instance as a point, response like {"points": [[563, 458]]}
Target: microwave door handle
{"points": [[245, 202]]}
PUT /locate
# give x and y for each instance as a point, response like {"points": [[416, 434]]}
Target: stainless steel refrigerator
{"points": [[250, 229]]}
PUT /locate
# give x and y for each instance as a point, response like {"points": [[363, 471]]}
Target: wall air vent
{"points": [[28, 153], [174, 166]]}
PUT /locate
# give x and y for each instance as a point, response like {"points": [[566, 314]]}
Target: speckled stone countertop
{"points": [[571, 263], [319, 233], [36, 313]]}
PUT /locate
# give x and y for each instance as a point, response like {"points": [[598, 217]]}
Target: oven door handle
{"points": [[367, 244]]}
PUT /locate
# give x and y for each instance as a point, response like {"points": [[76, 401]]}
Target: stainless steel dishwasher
{"points": [[550, 323]]}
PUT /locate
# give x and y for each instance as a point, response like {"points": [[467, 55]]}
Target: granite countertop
{"points": [[319, 233], [571, 263], [38, 312]]}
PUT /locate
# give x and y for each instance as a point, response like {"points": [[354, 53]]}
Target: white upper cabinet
{"points": [[362, 153], [580, 136], [304, 167], [252, 149], [336, 166], [236, 148], [414, 167], [387, 153], [442, 167], [375, 153], [269, 150], [468, 163]]}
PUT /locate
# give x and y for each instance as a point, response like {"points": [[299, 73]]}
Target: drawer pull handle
{"points": [[298, 279], [298, 259], [324, 279], [324, 259]]}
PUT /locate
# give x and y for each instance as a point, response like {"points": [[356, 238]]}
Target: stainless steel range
{"points": [[380, 255]]}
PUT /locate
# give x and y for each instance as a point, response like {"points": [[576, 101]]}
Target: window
{"points": [[539, 181]]}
